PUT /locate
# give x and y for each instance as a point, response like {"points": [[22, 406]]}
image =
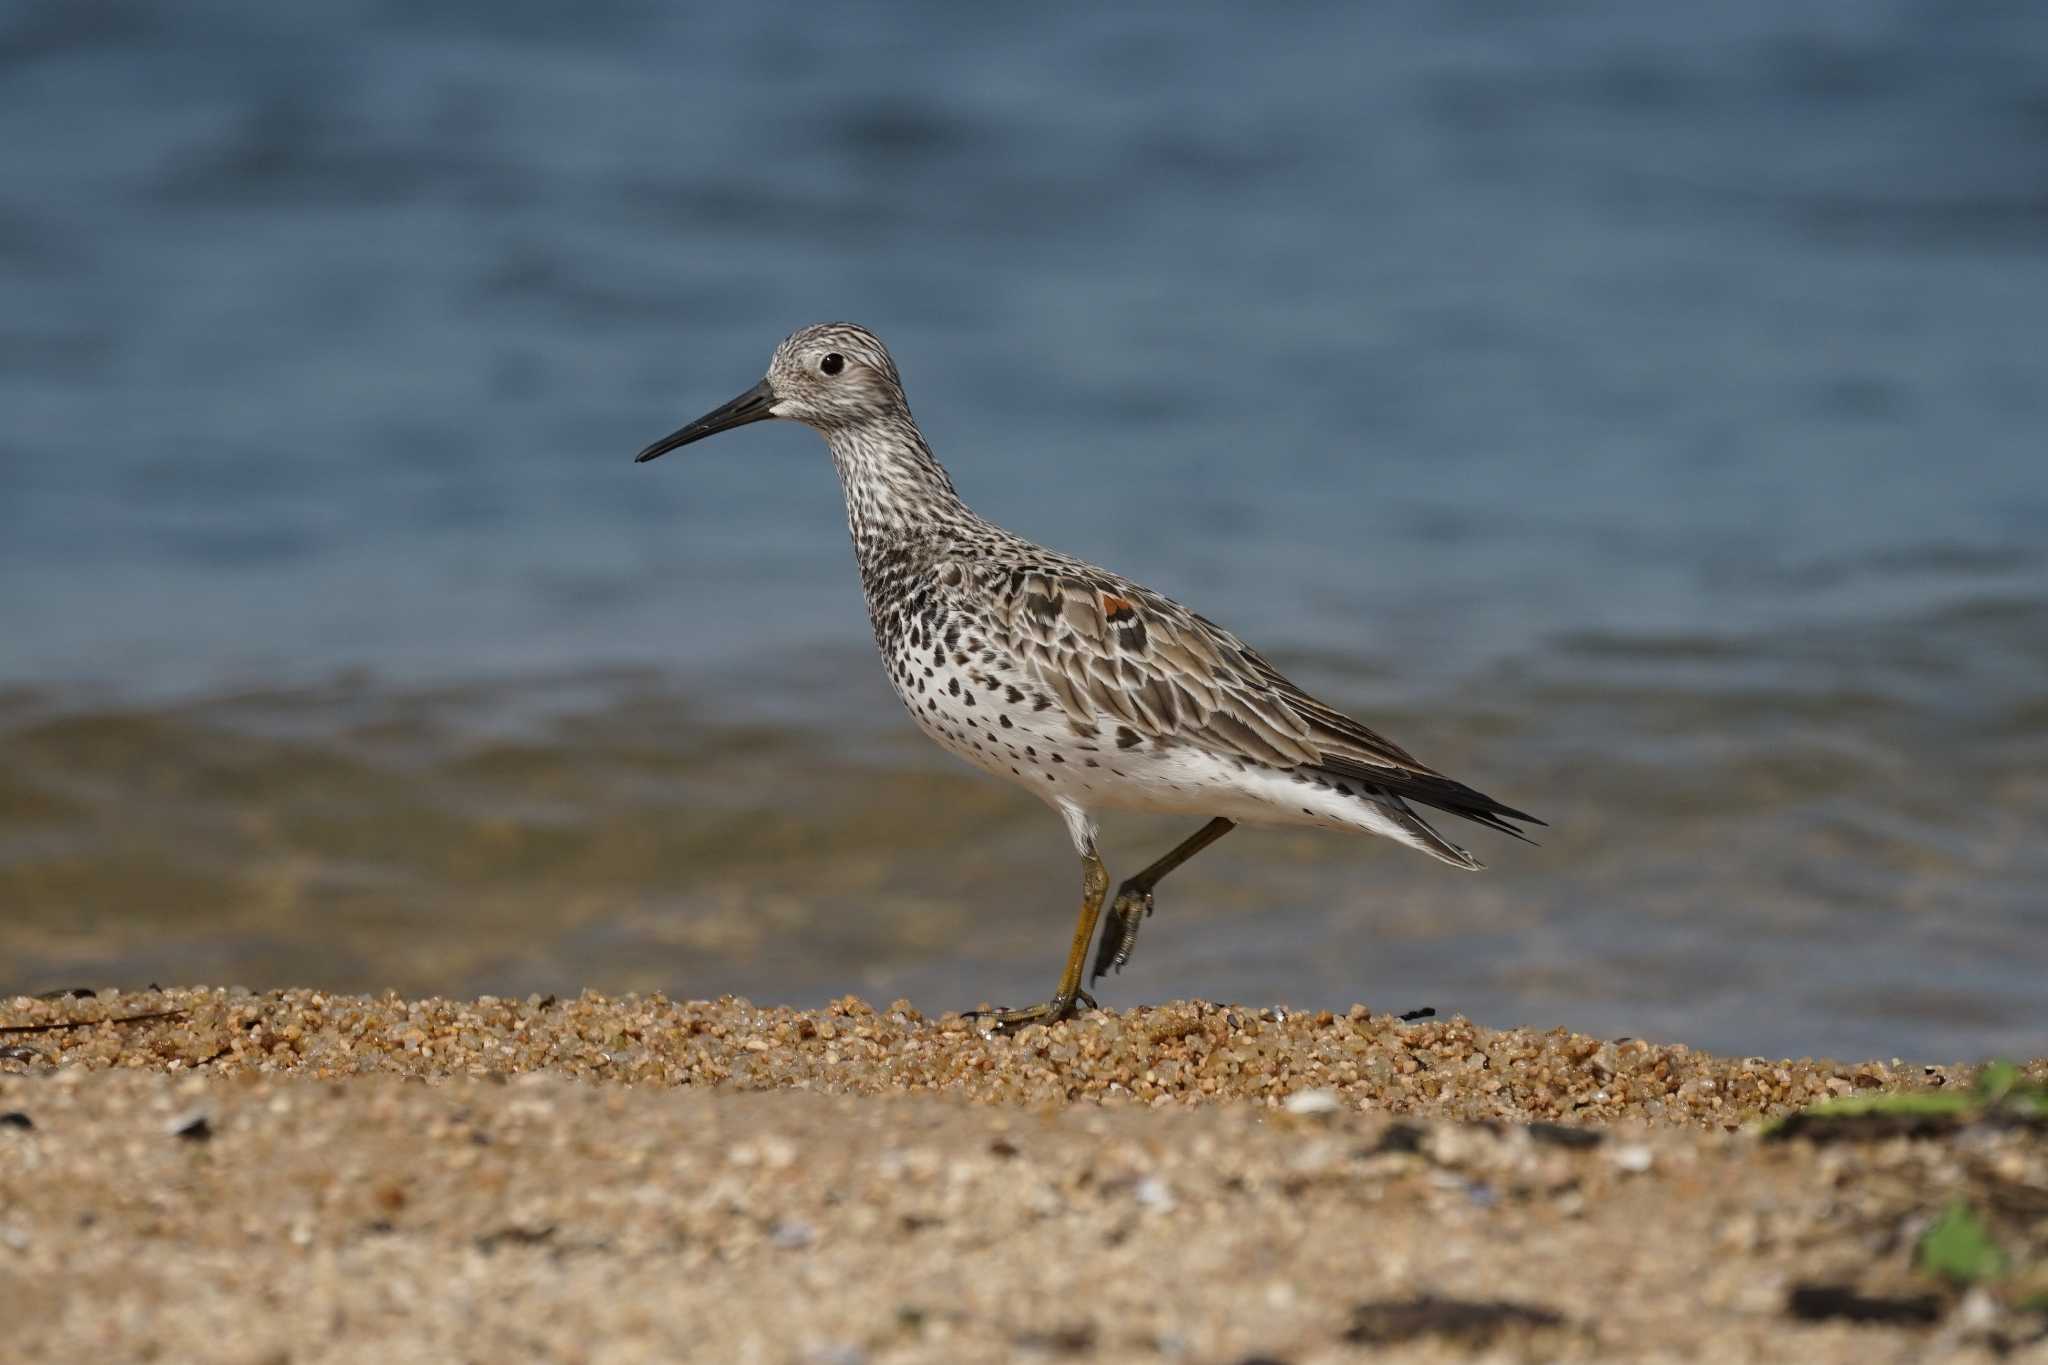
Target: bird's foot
{"points": [[1051, 1012], [1133, 905]]}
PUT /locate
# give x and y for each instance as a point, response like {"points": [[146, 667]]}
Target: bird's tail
{"points": [[1421, 834], [1435, 790]]}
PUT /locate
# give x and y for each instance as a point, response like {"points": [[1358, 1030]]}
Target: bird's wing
{"points": [[1111, 651]]}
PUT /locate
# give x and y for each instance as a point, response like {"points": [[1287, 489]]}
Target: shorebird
{"points": [[1090, 690]]}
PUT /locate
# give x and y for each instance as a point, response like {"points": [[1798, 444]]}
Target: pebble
{"points": [[493, 1186], [1313, 1102], [1178, 1054], [1634, 1158]]}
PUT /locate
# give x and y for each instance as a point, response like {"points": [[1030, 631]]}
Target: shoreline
{"points": [[265, 1177], [1180, 1052]]}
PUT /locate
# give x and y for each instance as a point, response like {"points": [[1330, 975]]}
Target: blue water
{"points": [[1644, 407]]}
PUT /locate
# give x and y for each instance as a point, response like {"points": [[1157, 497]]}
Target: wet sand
{"points": [[296, 1176]]}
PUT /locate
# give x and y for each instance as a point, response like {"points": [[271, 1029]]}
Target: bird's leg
{"points": [[1094, 886], [1134, 899]]}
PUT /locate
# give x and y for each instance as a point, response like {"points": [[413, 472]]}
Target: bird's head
{"points": [[829, 376]]}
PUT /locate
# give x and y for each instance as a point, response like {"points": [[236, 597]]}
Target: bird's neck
{"points": [[896, 492]]}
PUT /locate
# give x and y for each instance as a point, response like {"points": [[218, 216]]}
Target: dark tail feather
{"points": [[1421, 833], [1439, 793]]}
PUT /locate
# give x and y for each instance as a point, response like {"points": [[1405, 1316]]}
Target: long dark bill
{"points": [[751, 406]]}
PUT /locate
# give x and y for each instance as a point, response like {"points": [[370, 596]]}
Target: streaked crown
{"points": [[834, 374]]}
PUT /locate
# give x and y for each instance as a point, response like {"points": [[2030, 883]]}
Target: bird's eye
{"points": [[833, 363]]}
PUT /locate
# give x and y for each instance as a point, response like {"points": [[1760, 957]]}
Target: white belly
{"points": [[994, 718]]}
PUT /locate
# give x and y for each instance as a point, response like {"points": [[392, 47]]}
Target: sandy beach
{"points": [[1593, 447], [294, 1176]]}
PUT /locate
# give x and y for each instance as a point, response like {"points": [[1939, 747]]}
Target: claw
{"points": [[1051, 1012], [1120, 934]]}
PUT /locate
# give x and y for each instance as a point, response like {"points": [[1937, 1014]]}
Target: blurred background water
{"points": [[1638, 411]]}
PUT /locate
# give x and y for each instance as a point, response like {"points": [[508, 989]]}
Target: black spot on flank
{"points": [[1049, 777], [1127, 738], [1015, 773], [1092, 763], [1030, 752], [1006, 722], [967, 698], [1306, 811], [1012, 695], [1059, 758], [952, 636], [953, 686], [1041, 702], [959, 659]]}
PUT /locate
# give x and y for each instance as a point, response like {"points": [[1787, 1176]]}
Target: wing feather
{"points": [[1107, 648]]}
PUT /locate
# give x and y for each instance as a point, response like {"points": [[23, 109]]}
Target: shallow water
{"points": [[1638, 416]]}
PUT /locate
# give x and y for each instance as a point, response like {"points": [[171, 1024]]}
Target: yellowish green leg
{"points": [[1133, 903], [1094, 886]]}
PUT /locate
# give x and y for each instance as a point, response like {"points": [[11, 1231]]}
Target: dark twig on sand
{"points": [[63, 1024]]}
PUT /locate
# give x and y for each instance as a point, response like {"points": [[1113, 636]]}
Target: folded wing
{"points": [[1109, 650]]}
